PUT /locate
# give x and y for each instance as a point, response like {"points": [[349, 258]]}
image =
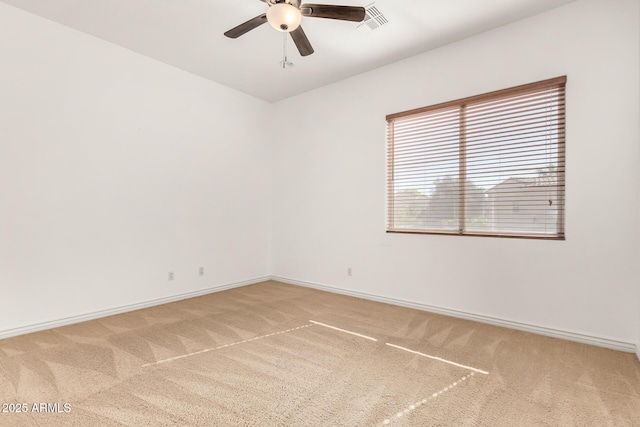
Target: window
{"points": [[488, 165]]}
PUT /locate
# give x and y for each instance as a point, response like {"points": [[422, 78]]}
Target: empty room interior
{"points": [[416, 213]]}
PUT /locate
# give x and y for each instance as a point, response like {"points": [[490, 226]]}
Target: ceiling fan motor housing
{"points": [[294, 3]]}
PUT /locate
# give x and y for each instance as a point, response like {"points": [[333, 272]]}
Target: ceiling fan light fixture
{"points": [[284, 17]]}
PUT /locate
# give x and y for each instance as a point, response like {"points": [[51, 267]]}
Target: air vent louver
{"points": [[373, 19]]}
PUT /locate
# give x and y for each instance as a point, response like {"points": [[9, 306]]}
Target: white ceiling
{"points": [[188, 34]]}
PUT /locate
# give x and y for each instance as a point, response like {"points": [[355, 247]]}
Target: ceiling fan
{"points": [[286, 15]]}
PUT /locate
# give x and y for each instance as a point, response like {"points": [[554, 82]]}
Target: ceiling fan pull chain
{"points": [[284, 50], [285, 61]]}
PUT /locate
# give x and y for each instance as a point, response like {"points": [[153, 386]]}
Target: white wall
{"points": [[329, 180], [116, 169]]}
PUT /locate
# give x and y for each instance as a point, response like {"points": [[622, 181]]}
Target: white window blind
{"points": [[488, 165]]}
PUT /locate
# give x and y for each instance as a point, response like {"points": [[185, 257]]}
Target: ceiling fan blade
{"points": [[343, 13], [302, 42], [245, 27]]}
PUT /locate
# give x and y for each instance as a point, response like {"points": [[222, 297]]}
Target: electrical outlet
{"points": [[171, 275], [201, 271], [349, 271]]}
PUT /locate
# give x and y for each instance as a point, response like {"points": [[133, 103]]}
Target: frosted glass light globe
{"points": [[284, 17]]}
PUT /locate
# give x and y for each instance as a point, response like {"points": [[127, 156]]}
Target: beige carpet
{"points": [[279, 355]]}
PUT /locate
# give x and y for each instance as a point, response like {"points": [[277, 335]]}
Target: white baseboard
{"points": [[122, 309], [571, 336], [556, 333]]}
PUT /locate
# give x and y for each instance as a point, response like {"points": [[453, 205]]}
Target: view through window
{"points": [[491, 165]]}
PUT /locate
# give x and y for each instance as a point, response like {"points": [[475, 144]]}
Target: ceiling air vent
{"points": [[373, 19]]}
